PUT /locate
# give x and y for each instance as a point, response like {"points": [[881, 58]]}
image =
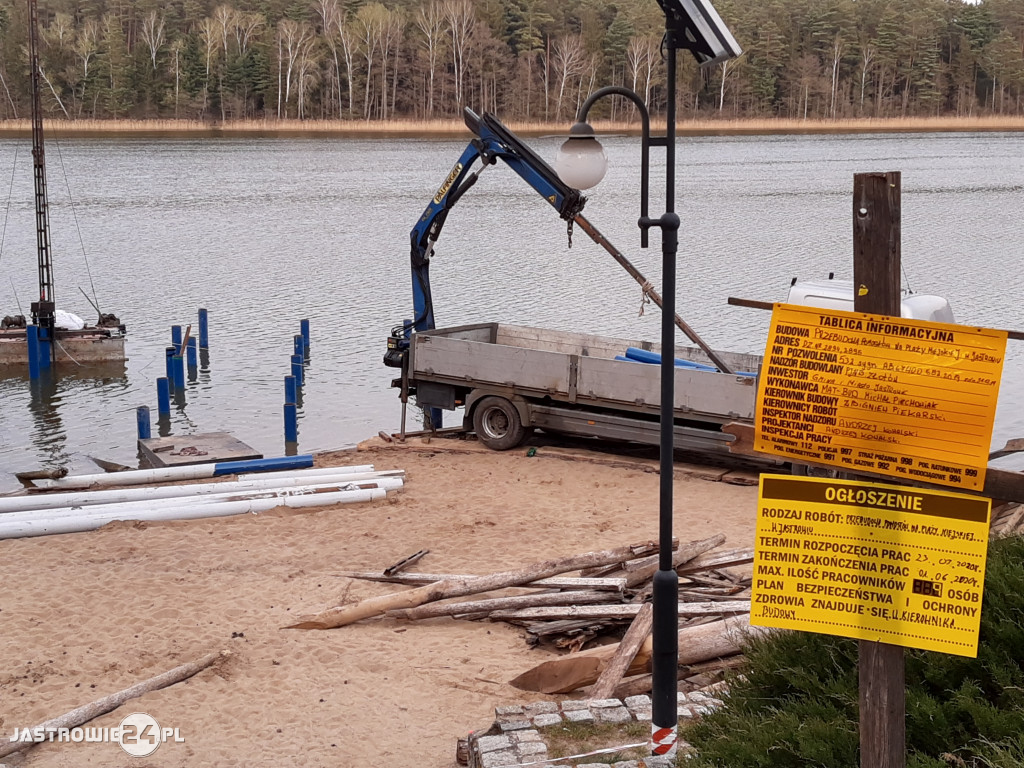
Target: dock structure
{"points": [[181, 450]]}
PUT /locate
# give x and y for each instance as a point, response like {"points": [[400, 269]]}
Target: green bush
{"points": [[796, 704]]}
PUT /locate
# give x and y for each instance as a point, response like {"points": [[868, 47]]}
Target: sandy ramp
{"points": [[84, 615]]}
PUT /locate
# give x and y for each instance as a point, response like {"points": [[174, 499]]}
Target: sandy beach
{"points": [[85, 615]]}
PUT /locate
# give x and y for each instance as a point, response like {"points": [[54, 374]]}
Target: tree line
{"points": [[523, 59]]}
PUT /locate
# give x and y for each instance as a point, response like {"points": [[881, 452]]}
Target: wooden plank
{"points": [[726, 558], [623, 657], [475, 607], [621, 612], [405, 562], [181, 450], [555, 582]]}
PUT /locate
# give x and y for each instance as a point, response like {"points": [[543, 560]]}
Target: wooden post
{"points": [[876, 280]]}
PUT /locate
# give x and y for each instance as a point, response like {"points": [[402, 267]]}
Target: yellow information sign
{"points": [[905, 398], [871, 561]]}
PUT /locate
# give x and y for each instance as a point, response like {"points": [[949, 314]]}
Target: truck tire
{"points": [[497, 424]]}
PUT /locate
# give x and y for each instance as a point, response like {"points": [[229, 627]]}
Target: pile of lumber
{"points": [[570, 601], [1007, 519]]}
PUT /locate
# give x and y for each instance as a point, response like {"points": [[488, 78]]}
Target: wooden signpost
{"points": [[871, 392]]}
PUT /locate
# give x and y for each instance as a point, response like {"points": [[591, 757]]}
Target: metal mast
{"points": [[42, 312]]}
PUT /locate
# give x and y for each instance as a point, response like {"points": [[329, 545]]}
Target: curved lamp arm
{"points": [[645, 142]]}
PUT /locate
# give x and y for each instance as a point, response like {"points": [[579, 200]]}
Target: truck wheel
{"points": [[497, 424]]}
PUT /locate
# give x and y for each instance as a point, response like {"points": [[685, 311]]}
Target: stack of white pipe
{"points": [[41, 515]]}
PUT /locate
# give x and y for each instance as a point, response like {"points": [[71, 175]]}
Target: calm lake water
{"points": [[265, 232]]}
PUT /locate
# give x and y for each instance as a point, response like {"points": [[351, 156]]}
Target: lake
{"points": [[266, 232]]}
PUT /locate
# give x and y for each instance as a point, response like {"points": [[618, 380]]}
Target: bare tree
{"points": [[307, 71], [330, 19], [86, 47], [209, 37], [225, 17], [293, 36], [569, 61], [641, 58], [430, 20], [153, 34], [837, 55], [391, 36], [867, 55], [461, 18], [176, 47]]}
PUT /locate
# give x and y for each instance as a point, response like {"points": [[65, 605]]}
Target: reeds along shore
{"points": [[273, 127]]}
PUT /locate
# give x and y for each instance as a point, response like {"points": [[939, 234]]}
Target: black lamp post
{"points": [[693, 25]]}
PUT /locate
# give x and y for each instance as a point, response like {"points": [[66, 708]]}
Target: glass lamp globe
{"points": [[581, 162]]}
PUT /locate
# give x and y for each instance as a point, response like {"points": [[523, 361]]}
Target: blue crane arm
{"points": [[493, 140]]}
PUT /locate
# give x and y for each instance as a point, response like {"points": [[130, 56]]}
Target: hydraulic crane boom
{"points": [[493, 140]]}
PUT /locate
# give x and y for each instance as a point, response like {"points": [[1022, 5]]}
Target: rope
{"points": [[645, 298], [7, 214], [81, 240], [62, 349]]}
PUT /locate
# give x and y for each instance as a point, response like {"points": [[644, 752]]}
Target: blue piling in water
{"points": [[192, 350], [176, 336], [304, 327], [290, 390], [291, 423], [45, 348], [163, 397], [297, 370], [169, 364], [299, 346], [32, 335], [142, 419], [204, 330], [178, 366]]}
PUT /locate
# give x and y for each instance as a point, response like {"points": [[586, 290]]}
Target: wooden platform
{"points": [[179, 450]]}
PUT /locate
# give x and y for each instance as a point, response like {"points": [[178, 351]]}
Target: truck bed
{"points": [[580, 370]]}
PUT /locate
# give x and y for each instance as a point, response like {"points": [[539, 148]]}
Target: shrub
{"points": [[796, 703]]}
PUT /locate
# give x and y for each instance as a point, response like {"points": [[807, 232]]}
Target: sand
{"points": [[85, 615]]}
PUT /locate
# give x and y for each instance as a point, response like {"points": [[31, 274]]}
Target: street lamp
{"points": [[692, 25]]}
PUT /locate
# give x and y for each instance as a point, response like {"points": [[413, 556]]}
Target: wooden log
{"points": [[341, 616], [624, 654], [84, 714], [640, 550], [1007, 525], [476, 607], [405, 562], [726, 558], [685, 554], [566, 627], [555, 582], [698, 643], [638, 684], [628, 611]]}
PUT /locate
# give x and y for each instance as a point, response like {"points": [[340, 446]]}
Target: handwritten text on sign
{"points": [[906, 398], [870, 561]]}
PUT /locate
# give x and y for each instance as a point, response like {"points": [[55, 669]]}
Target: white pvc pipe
{"points": [[54, 525], [117, 495], [157, 475], [315, 472], [129, 507]]}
